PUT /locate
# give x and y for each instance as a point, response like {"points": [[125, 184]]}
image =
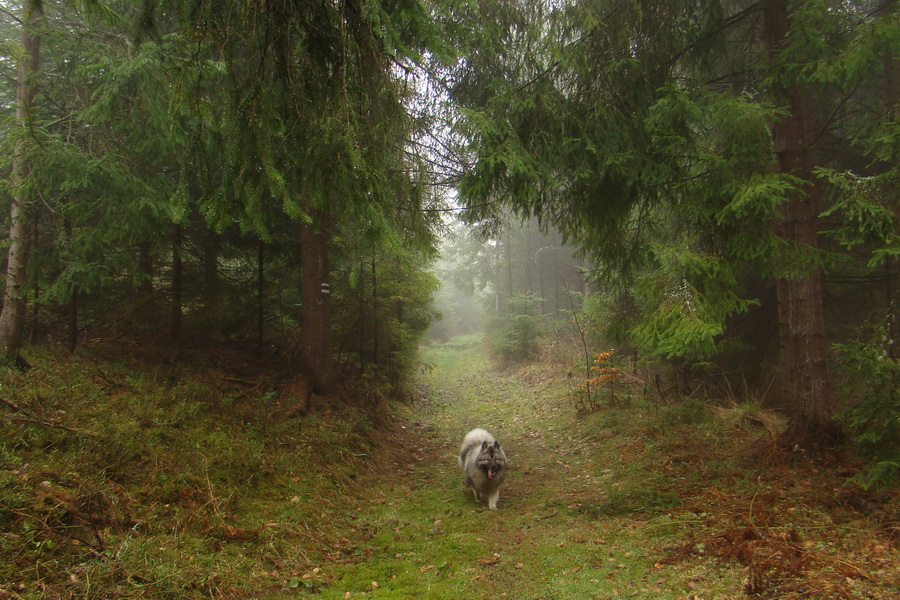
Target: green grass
{"points": [[426, 537], [124, 478]]}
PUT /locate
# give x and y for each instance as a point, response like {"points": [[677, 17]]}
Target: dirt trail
{"points": [[417, 532]]}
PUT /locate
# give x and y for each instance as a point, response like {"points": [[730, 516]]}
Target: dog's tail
{"points": [[474, 438]]}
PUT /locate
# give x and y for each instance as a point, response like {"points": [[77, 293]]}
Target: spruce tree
{"points": [[12, 316], [682, 146]]}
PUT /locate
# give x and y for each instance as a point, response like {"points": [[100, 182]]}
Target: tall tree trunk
{"points": [[72, 339], [177, 284], [542, 268], [212, 291], [557, 306], [498, 270], [361, 335], [146, 301], [892, 102], [529, 259], [510, 288], [315, 306], [375, 343], [806, 385], [145, 266], [36, 278], [12, 316], [260, 295]]}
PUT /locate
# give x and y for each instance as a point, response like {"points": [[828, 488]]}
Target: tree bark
{"points": [[36, 281], [12, 316], [260, 295], [892, 102], [72, 339], [177, 284], [375, 341], [212, 289], [363, 326], [528, 258], [806, 385], [510, 288], [145, 266], [315, 306], [542, 271], [498, 270]]}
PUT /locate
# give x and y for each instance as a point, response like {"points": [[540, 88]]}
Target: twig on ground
{"points": [[36, 420]]}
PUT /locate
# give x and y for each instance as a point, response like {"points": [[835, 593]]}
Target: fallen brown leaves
{"points": [[489, 561], [798, 536]]}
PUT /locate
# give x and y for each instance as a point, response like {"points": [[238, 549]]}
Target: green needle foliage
{"points": [[178, 150], [657, 137]]}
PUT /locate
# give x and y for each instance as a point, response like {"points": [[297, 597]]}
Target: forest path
{"points": [[417, 533]]}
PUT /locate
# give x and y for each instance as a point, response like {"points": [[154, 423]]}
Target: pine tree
{"points": [[311, 127], [805, 376], [684, 160], [12, 317]]}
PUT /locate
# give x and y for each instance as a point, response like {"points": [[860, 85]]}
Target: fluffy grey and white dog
{"points": [[484, 465]]}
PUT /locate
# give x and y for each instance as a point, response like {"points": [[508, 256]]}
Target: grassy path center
{"points": [[420, 534]]}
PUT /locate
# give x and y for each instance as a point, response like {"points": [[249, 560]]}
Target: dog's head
{"points": [[490, 459]]}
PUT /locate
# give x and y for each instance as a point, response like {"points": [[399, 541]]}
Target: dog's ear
{"points": [[484, 445], [496, 445]]}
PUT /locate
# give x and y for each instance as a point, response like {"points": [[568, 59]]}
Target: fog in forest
{"points": [[487, 271]]}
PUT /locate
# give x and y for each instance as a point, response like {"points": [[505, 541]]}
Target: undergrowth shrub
{"points": [[871, 376], [690, 411], [601, 384], [515, 335]]}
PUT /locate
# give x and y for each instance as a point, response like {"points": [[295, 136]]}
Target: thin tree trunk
{"points": [[806, 385], [498, 304], [145, 286], [892, 101], [36, 278], [374, 313], [260, 295], [72, 341], [177, 284], [145, 266], [557, 307], [361, 334], [211, 284], [510, 288], [529, 259], [12, 316], [315, 306], [542, 268]]}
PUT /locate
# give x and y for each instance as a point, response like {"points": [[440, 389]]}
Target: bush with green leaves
{"points": [[871, 374], [514, 335]]}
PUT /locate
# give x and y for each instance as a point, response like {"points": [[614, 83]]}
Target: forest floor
{"points": [[123, 481], [633, 501]]}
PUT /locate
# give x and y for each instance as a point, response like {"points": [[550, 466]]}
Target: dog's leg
{"points": [[474, 491], [492, 500]]}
